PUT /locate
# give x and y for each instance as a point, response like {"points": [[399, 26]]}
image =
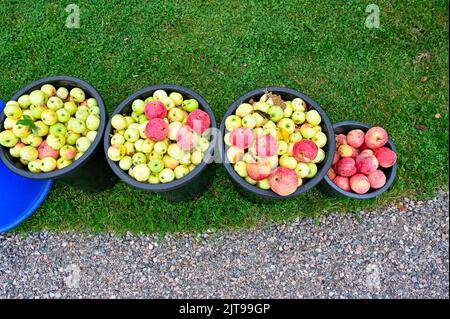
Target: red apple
{"points": [[367, 165], [346, 167], [364, 154], [359, 183], [155, 109], [336, 158], [284, 181], [157, 129], [259, 170], [341, 139], [376, 137], [199, 121], [355, 138], [342, 182], [187, 139], [377, 179], [305, 151], [386, 157], [44, 150], [267, 146], [331, 173], [242, 137]]}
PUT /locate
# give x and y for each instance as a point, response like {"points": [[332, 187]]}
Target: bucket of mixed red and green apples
{"points": [[277, 143], [365, 162], [161, 139], [51, 129]]}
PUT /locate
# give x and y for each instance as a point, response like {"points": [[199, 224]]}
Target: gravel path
{"points": [[398, 252]]}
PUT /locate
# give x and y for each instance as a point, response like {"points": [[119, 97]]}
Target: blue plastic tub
{"points": [[19, 196]]}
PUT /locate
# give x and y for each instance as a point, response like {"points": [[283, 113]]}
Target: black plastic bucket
{"points": [[256, 193], [90, 172], [193, 184], [327, 186]]}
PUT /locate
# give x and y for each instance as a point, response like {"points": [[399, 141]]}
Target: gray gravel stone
{"points": [[400, 251]]}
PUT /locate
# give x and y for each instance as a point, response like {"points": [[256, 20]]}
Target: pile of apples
{"points": [[359, 160], [165, 138], [275, 144], [50, 128]]}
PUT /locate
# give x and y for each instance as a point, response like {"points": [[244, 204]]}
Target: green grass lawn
{"points": [[223, 49]]}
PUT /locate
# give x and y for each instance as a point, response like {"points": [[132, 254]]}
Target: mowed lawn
{"points": [[395, 76]]}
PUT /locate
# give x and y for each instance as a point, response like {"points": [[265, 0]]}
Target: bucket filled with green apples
{"points": [[277, 143], [161, 139], [52, 129]]}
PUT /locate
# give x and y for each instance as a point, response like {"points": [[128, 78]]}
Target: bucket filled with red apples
{"points": [[51, 129], [276, 143], [161, 139], [365, 162]]}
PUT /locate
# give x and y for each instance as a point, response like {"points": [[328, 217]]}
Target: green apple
{"points": [[21, 130], [71, 107], [58, 128], [227, 140], [9, 123], [186, 159], [319, 157], [116, 152], [196, 157], [93, 123], [79, 155], [92, 102], [175, 151], [42, 128], [260, 120], [33, 140], [241, 168], [83, 144], [298, 105], [166, 175], [15, 151], [156, 165], [173, 130], [37, 97], [49, 117], [62, 163], [49, 90], [160, 94], [175, 115], [153, 155], [263, 184], [177, 98], [288, 110], [153, 179], [78, 95], [82, 113], [78, 126], [168, 102], [313, 117], [125, 163], [276, 113], [261, 106], [56, 141], [138, 106], [251, 181], [118, 122], [132, 135], [48, 164], [298, 117], [139, 158], [288, 161], [282, 147], [147, 146], [160, 148], [12, 110], [35, 166], [62, 93], [130, 150], [135, 116], [249, 121], [24, 101], [71, 138], [233, 122], [190, 105], [307, 130], [243, 110], [8, 139], [202, 145], [91, 135], [138, 145], [302, 170], [295, 137], [170, 162], [312, 170], [320, 139], [55, 103], [181, 171], [29, 153], [94, 110], [63, 115], [287, 124], [141, 172], [129, 120]]}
